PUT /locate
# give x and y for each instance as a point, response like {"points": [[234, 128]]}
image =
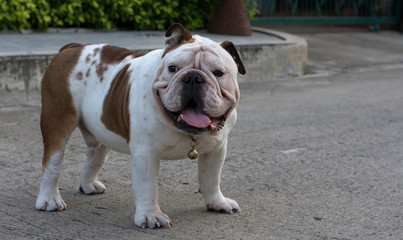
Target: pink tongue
{"points": [[194, 117]]}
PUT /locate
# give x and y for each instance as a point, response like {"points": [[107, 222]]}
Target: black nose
{"points": [[193, 79]]}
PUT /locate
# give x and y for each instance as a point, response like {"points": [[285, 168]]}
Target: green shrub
{"points": [[107, 14], [15, 14]]}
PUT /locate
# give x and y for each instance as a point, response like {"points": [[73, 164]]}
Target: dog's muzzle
{"points": [[191, 118]]}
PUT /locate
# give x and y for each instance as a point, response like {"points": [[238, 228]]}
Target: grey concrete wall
{"points": [[20, 76], [274, 61]]}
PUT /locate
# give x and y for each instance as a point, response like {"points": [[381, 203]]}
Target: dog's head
{"points": [[196, 84]]}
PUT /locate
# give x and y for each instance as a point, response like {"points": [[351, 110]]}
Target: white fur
{"points": [[49, 198]]}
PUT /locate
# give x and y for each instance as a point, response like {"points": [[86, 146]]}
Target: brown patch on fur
{"points": [[115, 111], [58, 117], [79, 76], [88, 72], [96, 50], [93, 62], [88, 58], [100, 71], [113, 55]]}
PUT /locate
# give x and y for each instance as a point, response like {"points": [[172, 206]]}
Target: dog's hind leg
{"points": [[96, 157], [57, 124], [59, 117]]}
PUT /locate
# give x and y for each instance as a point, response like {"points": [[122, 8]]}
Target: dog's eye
{"points": [[172, 69], [218, 73]]}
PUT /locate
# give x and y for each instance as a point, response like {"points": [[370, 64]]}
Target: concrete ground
{"points": [[313, 157]]}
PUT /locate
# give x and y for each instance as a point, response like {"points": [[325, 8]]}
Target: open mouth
{"points": [[193, 120]]}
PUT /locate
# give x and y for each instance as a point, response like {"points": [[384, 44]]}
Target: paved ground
{"points": [[317, 157]]}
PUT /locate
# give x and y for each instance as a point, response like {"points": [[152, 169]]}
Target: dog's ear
{"points": [[182, 36], [229, 47]]}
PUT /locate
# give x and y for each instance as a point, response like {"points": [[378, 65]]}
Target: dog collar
{"points": [[192, 154]]}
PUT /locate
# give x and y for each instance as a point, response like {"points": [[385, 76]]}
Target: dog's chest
{"points": [[176, 145]]}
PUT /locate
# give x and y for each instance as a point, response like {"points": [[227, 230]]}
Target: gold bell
{"points": [[192, 154]]}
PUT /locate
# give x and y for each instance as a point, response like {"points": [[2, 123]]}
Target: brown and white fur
{"points": [[132, 104]]}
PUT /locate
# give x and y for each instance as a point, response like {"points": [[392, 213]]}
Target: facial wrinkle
{"points": [[211, 78], [198, 58]]}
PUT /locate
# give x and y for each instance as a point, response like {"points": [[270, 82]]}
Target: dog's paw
{"points": [[152, 219], [50, 203], [223, 205], [92, 188]]}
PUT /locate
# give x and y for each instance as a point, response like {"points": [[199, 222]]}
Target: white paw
{"points": [[223, 205], [50, 203], [152, 219], [93, 188]]}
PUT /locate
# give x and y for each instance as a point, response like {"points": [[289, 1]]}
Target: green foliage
{"points": [[16, 14], [251, 7], [107, 14]]}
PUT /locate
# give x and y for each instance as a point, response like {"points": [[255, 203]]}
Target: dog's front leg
{"points": [[210, 165], [144, 177]]}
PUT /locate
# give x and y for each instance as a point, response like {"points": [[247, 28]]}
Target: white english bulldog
{"points": [[171, 103]]}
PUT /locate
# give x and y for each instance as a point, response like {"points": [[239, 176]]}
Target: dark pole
{"points": [[401, 16]]}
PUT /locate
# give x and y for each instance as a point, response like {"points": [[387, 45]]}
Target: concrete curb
{"points": [[284, 58], [21, 73]]}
